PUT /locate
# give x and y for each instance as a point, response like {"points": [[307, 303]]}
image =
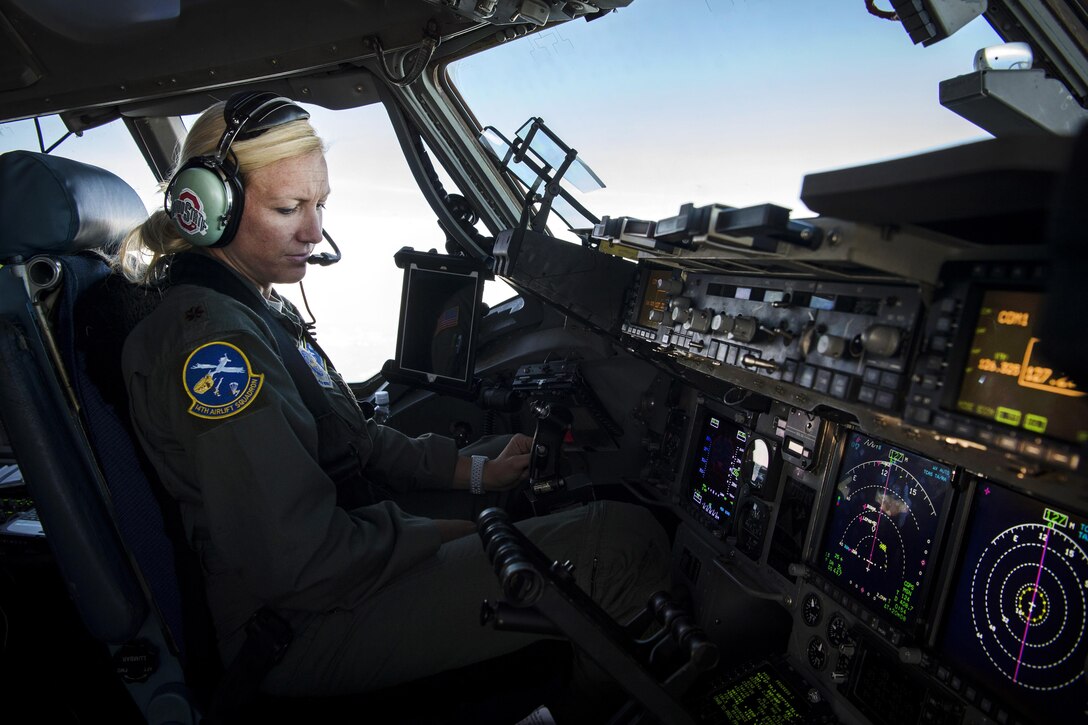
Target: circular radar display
{"points": [[883, 528], [1021, 606]]}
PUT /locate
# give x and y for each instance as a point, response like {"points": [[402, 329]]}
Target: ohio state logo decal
{"points": [[188, 213]]}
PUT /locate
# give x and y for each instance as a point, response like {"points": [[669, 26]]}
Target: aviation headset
{"points": [[205, 198]]}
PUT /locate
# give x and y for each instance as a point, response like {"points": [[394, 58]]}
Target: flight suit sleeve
{"points": [[269, 508], [407, 464]]}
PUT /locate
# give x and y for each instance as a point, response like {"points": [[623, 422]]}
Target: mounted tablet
{"points": [[440, 311]]}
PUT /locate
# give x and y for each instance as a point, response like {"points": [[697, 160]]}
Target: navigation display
{"points": [[1006, 375], [717, 468], [1017, 618], [884, 526]]}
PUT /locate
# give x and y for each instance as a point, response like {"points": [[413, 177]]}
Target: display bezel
{"points": [[685, 483], [929, 592], [956, 568], [960, 351]]}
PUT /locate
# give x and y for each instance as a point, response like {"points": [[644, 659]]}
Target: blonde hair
{"points": [[145, 247]]}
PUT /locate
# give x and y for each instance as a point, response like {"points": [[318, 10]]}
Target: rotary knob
{"points": [[680, 310], [670, 286], [882, 340], [831, 346], [722, 323], [698, 321], [745, 328], [656, 316], [680, 303]]}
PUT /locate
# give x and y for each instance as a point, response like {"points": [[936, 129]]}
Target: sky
{"points": [[669, 101]]}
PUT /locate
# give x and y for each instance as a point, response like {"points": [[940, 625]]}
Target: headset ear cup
{"points": [[234, 218], [204, 203]]}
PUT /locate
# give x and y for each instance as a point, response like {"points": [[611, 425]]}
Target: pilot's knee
{"points": [[633, 546], [633, 522]]}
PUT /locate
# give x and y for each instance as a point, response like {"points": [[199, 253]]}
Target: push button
{"points": [[918, 415], [808, 375], [1032, 449], [889, 380], [840, 384]]}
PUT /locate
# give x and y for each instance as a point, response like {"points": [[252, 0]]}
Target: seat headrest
{"points": [[53, 205]]}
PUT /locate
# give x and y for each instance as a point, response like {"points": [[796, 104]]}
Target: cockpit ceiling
{"points": [[91, 61], [60, 55]]}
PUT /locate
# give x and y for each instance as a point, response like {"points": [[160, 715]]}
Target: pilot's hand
{"points": [[450, 529], [511, 466]]}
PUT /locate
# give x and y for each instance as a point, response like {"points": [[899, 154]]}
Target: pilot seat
{"points": [[115, 536]]}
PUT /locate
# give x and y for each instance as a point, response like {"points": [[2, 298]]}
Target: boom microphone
{"points": [[325, 259]]}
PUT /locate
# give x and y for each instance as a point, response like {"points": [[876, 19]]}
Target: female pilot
{"points": [[258, 439]]}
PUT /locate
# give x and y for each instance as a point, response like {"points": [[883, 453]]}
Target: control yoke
{"points": [[542, 597], [553, 422]]}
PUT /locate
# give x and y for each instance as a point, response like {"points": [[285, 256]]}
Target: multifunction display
{"points": [[884, 526], [1018, 616], [716, 470], [1007, 377]]}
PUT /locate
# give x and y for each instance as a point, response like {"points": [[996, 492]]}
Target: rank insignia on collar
{"points": [[220, 381], [316, 363]]}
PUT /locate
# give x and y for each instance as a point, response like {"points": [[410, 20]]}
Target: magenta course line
{"points": [[1031, 608]]}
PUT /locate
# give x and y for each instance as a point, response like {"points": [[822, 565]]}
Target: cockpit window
{"points": [[723, 101], [374, 210], [109, 147]]}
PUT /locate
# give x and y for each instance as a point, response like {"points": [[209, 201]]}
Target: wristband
{"points": [[476, 475]]}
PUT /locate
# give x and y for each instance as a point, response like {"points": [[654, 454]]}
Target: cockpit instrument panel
{"points": [[885, 526], [983, 373], [1016, 625], [850, 342]]}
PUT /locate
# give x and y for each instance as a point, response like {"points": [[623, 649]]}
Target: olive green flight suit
{"points": [[374, 597]]}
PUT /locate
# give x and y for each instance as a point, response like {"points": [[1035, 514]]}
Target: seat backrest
{"points": [[63, 318]]}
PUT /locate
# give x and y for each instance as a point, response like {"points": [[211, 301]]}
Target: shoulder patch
{"points": [[220, 381], [316, 364]]}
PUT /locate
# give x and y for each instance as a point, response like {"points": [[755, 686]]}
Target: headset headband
{"points": [[248, 115], [205, 199]]}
